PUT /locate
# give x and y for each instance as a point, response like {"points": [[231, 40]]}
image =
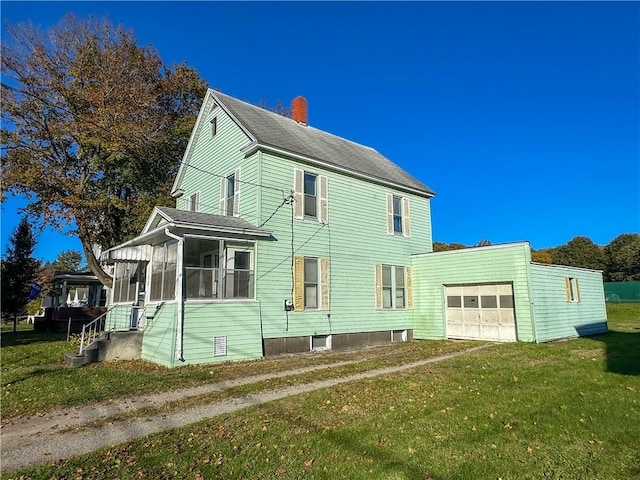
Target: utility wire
{"points": [[122, 137]]}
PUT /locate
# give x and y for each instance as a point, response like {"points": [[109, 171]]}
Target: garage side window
{"points": [[572, 289]]}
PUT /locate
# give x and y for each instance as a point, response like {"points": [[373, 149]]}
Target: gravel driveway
{"points": [[65, 433]]}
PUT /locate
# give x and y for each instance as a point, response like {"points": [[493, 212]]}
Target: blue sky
{"points": [[524, 117]]}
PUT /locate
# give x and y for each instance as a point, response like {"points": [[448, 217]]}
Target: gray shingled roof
{"points": [[208, 220], [271, 129]]}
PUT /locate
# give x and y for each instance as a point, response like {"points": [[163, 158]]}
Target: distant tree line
{"points": [[619, 260]]}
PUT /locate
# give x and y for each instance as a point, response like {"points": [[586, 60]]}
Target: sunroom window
{"points": [[215, 269], [124, 282], [163, 271], [202, 265]]}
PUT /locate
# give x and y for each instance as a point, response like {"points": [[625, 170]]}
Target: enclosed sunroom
{"points": [[188, 265]]}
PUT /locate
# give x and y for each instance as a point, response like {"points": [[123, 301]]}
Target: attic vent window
{"points": [[214, 126]]}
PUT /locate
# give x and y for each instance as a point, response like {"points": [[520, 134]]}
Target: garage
{"points": [[481, 312]]}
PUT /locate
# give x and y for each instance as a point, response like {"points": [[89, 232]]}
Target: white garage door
{"points": [[481, 312]]}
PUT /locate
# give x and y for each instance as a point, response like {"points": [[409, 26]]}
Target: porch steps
{"points": [[111, 346]]}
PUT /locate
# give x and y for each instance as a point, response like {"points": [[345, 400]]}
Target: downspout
{"points": [[532, 306], [179, 295]]}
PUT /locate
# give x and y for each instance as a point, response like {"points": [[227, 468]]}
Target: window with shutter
{"points": [[398, 220], [311, 196], [311, 284], [572, 289]]}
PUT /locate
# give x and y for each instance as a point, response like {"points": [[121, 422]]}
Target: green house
{"points": [[285, 238]]}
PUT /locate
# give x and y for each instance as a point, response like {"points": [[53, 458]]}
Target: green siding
{"points": [[220, 155], [239, 322], [354, 240], [118, 318], [495, 264], [558, 318], [159, 340]]}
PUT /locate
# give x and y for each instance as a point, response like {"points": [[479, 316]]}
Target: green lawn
{"points": [[34, 378], [564, 410]]}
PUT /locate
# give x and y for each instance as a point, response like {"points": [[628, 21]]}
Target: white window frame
{"points": [[226, 260], [224, 194], [403, 336], [229, 263], [393, 287], [193, 202], [327, 345], [397, 215], [398, 209], [317, 284], [321, 196], [119, 282], [307, 196], [165, 246]]}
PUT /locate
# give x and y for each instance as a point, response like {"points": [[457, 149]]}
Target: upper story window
{"points": [[231, 189], [398, 220], [192, 203], [311, 196], [230, 194], [397, 214]]}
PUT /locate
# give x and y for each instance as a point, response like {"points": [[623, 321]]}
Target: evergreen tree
{"points": [[19, 270]]}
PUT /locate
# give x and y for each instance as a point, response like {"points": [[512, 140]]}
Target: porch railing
{"points": [[93, 330]]}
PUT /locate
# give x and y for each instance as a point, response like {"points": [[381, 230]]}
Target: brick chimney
{"points": [[299, 110]]}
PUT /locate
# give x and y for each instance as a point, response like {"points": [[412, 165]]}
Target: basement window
{"points": [[321, 342], [398, 336]]}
